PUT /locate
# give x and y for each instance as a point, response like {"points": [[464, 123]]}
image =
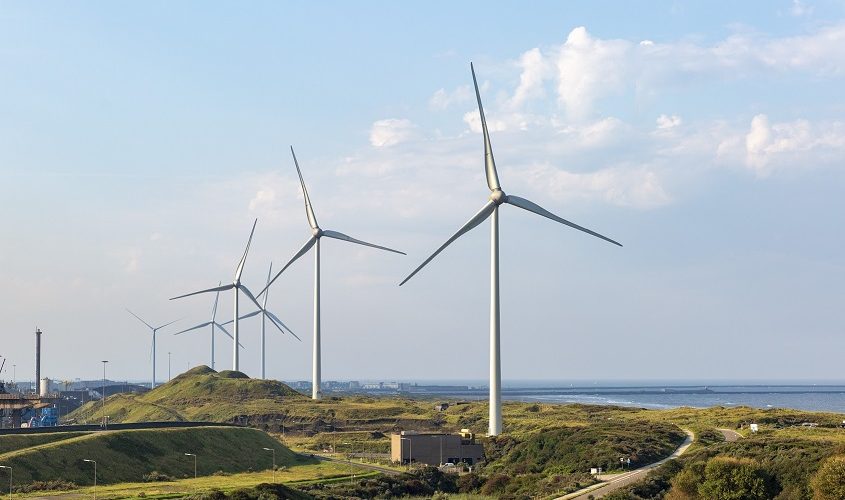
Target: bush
{"points": [[156, 477], [829, 481], [52, 485], [727, 478]]}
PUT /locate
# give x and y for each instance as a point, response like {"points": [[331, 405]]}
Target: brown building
{"points": [[435, 448]]}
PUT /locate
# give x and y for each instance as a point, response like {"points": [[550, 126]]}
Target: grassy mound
{"points": [[200, 394], [128, 455], [14, 442]]}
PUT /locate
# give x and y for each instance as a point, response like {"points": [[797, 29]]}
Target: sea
{"points": [[826, 397]]}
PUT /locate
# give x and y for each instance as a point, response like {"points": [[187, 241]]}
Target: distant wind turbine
{"points": [[154, 329], [214, 326], [314, 241], [238, 287], [497, 197], [265, 313]]}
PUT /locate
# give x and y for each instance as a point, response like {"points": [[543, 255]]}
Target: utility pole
{"points": [[104, 389]]}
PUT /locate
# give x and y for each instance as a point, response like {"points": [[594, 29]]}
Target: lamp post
{"points": [[95, 475], [104, 387], [274, 462], [410, 454], [195, 462], [168, 366], [10, 479]]}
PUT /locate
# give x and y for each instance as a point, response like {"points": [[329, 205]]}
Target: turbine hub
{"points": [[317, 232], [498, 196]]}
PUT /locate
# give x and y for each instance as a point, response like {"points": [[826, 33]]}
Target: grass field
{"points": [[128, 455]]}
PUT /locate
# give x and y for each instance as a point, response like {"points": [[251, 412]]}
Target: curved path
{"points": [[613, 483], [730, 436]]}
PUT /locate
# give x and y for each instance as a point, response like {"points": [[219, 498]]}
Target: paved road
{"points": [[730, 436], [358, 464], [619, 480]]}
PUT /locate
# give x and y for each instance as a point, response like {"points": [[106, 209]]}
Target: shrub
{"points": [[156, 477], [829, 481], [727, 478]]}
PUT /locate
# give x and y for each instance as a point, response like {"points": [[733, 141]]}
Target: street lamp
{"points": [[410, 454], [274, 462], [95, 475], [104, 387], [168, 366], [10, 479], [195, 462]]}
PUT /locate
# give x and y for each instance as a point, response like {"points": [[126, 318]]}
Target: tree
{"points": [[728, 478], [829, 481]]}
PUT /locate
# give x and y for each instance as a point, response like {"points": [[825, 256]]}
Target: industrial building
{"points": [[435, 448]]}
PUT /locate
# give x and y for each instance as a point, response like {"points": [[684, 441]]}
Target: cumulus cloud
{"points": [[665, 122], [767, 144], [390, 132], [534, 70]]}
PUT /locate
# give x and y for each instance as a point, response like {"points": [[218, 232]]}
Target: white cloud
{"points": [[587, 68], [473, 119], [767, 145], [665, 122], [534, 71], [800, 8], [443, 99], [390, 132]]}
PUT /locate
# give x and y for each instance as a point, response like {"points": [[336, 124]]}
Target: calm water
{"points": [[803, 397]]}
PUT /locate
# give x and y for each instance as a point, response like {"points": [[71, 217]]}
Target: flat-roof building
{"points": [[435, 448]]}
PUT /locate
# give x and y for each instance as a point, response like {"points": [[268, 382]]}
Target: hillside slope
{"points": [[128, 455], [200, 394]]}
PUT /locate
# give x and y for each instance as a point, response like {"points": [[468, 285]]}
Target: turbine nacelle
{"points": [[498, 197], [317, 232]]}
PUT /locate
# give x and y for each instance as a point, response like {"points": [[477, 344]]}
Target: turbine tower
{"points": [[238, 287], [314, 241], [154, 329], [491, 209], [214, 326]]}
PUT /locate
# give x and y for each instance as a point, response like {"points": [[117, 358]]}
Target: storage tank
{"points": [[44, 388]]}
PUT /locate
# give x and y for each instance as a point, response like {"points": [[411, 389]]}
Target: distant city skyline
{"points": [[138, 141]]}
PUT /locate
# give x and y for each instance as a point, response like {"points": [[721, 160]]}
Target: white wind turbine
{"points": [[265, 313], [214, 326], [154, 329], [314, 241], [238, 287], [497, 197]]}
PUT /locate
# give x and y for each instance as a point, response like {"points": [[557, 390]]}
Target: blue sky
{"points": [[138, 142]]}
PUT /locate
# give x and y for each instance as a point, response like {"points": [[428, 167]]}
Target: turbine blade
{"points": [[309, 210], [340, 236], [307, 246], [477, 219], [193, 328], [215, 289], [489, 162], [216, 299], [275, 320], [537, 209], [139, 318], [168, 324], [251, 296], [240, 268], [245, 316], [267, 293], [218, 325]]}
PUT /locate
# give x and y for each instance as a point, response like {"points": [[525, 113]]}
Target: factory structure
{"points": [[437, 449]]}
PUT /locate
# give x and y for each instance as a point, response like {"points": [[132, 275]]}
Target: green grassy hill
{"points": [[200, 394], [128, 455], [12, 442]]}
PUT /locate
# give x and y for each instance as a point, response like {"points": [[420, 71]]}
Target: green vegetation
{"points": [[129, 455], [829, 481], [12, 442], [200, 394]]}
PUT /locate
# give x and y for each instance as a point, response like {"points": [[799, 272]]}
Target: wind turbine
{"points": [[265, 313], [314, 241], [154, 329], [497, 197], [238, 287], [214, 325]]}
